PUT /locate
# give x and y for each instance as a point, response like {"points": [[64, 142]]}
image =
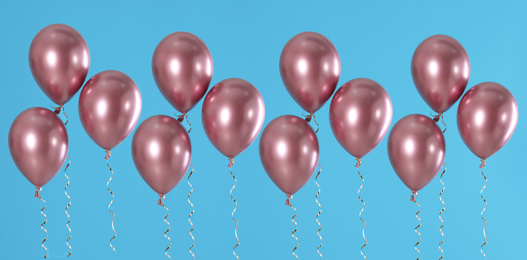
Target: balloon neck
{"points": [[412, 198], [108, 154], [483, 163], [181, 117], [37, 195], [231, 162], [287, 202], [160, 201], [359, 162]]}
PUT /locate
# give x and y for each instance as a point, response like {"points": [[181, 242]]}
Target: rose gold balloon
{"points": [[310, 69], [440, 69], [38, 143], [486, 118], [109, 107], [360, 115], [289, 152], [59, 60], [161, 151], [416, 148], [182, 68], [232, 114]]}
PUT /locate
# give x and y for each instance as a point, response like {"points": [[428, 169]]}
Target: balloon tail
{"points": [[108, 153], [308, 119], [57, 111], [318, 214], [483, 162], [180, 119], [45, 221], [168, 229], [287, 202], [67, 206], [294, 231], [235, 207], [359, 162], [191, 213], [418, 226], [441, 212], [436, 119]]}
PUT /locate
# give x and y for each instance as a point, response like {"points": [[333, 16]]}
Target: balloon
{"points": [[38, 143], [289, 153], [59, 60], [360, 115], [232, 114], [486, 118], [416, 148], [109, 107], [310, 69], [440, 69], [182, 68], [161, 151]]}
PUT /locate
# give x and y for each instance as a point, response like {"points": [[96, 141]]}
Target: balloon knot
{"points": [[287, 202], [412, 198], [37, 195], [160, 202], [181, 117], [231, 162], [57, 110], [359, 162], [108, 154], [437, 117], [483, 163], [308, 118]]}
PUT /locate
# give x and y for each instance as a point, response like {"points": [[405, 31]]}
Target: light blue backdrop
{"points": [[374, 40]]}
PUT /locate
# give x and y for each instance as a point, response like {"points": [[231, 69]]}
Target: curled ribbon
{"points": [[180, 119], [359, 162], [67, 206], [436, 119], [45, 221], [296, 228], [441, 212], [191, 213], [318, 214], [108, 154], [231, 163], [483, 163], [416, 216], [161, 196], [308, 119], [57, 111]]}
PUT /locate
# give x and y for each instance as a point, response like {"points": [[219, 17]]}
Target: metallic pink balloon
{"points": [[161, 151], [310, 69], [440, 69], [59, 60], [182, 68], [360, 115], [232, 114], [289, 152], [38, 143], [109, 107], [416, 148], [486, 118]]}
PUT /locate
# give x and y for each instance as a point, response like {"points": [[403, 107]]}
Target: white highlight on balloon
{"points": [[101, 108], [282, 149], [433, 67], [52, 58], [302, 66], [174, 66], [31, 141], [154, 149], [409, 146]]}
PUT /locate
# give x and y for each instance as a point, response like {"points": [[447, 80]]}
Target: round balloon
{"points": [[232, 114], [109, 107], [416, 148], [161, 152], [440, 69], [182, 68], [38, 143], [59, 60], [289, 153], [310, 69], [486, 118], [360, 115]]}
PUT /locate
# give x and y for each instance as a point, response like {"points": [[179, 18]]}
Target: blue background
{"points": [[374, 40]]}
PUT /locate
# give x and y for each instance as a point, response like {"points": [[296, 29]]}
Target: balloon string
{"points": [[180, 119], [192, 212], [57, 111], [359, 162], [308, 119], [108, 153], [436, 119], [416, 215], [168, 223], [45, 221], [483, 163], [231, 162], [318, 214], [67, 206], [441, 212], [296, 229]]}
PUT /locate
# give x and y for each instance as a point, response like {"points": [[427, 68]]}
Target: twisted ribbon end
{"points": [[37, 195], [108, 154], [483, 163], [287, 202], [359, 162], [160, 201], [231, 162], [412, 198]]}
